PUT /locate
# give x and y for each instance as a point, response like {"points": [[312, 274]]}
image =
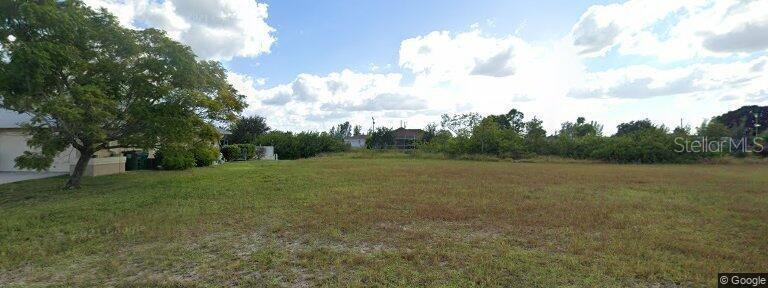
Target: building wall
{"points": [[355, 142], [13, 143], [269, 152]]}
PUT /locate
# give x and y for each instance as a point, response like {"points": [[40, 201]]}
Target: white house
{"points": [[13, 142], [355, 141]]}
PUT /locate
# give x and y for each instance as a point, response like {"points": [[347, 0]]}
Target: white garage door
{"points": [[13, 144]]}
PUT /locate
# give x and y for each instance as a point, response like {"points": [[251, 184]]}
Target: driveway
{"points": [[8, 177]]}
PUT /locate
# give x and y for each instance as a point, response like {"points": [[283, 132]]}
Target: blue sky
{"points": [[308, 65], [320, 37]]}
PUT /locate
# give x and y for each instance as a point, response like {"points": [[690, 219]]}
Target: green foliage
{"points": [[247, 129], [637, 142], [231, 152], [175, 157], [460, 124], [250, 150], [382, 138], [512, 120], [642, 146], [713, 130], [88, 82], [632, 127], [341, 131], [490, 138], [357, 130], [204, 155], [581, 129], [429, 132], [535, 137], [302, 145]]}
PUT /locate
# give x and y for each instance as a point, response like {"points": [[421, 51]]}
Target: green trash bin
{"points": [[142, 160], [131, 161]]}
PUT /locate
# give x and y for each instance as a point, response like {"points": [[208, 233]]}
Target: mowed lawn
{"points": [[339, 220]]}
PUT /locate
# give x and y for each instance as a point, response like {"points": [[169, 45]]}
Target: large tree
{"points": [[91, 84]]}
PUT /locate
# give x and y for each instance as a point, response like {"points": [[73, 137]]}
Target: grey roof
{"points": [[11, 119]]}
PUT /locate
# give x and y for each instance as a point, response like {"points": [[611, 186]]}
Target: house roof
{"points": [[12, 119]]}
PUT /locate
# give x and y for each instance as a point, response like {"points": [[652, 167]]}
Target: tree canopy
{"points": [[91, 84], [247, 129]]}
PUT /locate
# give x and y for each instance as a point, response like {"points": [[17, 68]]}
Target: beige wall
{"points": [[103, 166]]}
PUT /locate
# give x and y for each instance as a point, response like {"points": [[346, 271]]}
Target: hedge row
{"points": [[175, 157], [235, 152]]}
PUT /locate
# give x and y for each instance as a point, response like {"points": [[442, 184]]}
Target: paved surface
{"points": [[8, 177]]}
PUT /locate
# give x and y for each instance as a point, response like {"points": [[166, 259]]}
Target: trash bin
{"points": [[142, 161], [131, 161]]}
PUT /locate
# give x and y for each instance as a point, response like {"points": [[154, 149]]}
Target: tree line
{"points": [[510, 136]]}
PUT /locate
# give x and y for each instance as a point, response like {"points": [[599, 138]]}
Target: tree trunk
{"points": [[77, 174]]}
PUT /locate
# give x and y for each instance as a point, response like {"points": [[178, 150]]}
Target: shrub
{"points": [[250, 150], [175, 158], [231, 152], [205, 155]]}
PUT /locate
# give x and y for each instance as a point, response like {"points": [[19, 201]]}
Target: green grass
{"points": [[356, 220]]}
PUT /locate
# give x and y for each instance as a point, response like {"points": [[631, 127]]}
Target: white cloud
{"points": [[727, 80], [673, 30], [603, 26], [381, 102], [215, 29], [442, 56], [312, 102]]}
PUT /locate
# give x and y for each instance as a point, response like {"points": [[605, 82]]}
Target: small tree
{"points": [[247, 129], [91, 84], [341, 131], [461, 124], [535, 136], [429, 132]]}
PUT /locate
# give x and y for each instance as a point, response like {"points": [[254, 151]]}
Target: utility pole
{"points": [[373, 124]]}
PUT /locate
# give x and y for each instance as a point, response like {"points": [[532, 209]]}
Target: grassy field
{"points": [[390, 221]]}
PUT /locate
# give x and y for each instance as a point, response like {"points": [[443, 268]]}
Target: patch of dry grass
{"points": [[401, 221]]}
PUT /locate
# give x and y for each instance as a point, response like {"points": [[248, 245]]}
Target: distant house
{"points": [[355, 141], [407, 138]]}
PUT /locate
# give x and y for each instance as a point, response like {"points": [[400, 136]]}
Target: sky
{"points": [[309, 65]]}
